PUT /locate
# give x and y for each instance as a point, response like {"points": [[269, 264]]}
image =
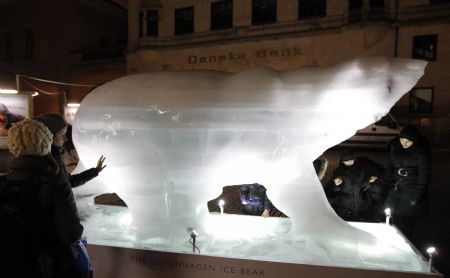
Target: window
{"points": [[29, 44], [425, 47], [184, 21], [376, 10], [7, 47], [376, 3], [312, 8], [354, 11], [264, 11], [222, 15], [432, 2], [152, 23], [103, 43], [354, 5], [421, 100], [141, 24]]}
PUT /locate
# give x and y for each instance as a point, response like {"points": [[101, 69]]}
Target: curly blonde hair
{"points": [[29, 137]]}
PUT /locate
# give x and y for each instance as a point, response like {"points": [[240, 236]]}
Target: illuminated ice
{"points": [[174, 139]]}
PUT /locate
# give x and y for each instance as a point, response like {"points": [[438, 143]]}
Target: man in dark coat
{"points": [[58, 126], [55, 220], [409, 175], [350, 178]]}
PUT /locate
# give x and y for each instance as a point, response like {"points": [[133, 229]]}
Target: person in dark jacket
{"points": [[7, 118], [409, 175], [350, 178], [58, 126], [373, 191], [255, 200], [56, 223]]}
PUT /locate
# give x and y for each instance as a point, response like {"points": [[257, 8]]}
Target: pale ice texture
{"points": [[174, 139]]}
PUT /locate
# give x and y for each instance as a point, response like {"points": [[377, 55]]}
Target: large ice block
{"points": [[174, 139]]}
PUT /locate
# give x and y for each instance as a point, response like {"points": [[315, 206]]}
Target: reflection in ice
{"points": [[174, 139]]}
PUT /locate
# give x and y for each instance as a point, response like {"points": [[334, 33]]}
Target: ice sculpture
{"points": [[174, 139]]}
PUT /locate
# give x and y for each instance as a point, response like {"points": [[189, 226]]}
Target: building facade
{"points": [[236, 35], [69, 41]]}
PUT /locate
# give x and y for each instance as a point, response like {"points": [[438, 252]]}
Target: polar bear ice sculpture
{"points": [[174, 139]]}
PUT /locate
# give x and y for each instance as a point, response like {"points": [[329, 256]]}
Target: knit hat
{"points": [[54, 122], [29, 137], [409, 132], [347, 155]]}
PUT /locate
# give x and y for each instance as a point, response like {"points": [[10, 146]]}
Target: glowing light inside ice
{"points": [[174, 139]]}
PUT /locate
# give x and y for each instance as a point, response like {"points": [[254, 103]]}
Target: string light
{"points": [[8, 91], [55, 82], [72, 104]]}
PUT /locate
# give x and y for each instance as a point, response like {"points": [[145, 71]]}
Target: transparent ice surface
{"points": [[174, 139]]}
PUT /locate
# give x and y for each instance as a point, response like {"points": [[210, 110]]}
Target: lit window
{"points": [[425, 47], [264, 11]]}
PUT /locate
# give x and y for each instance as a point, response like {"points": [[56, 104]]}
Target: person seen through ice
{"points": [[409, 175], [353, 176], [255, 200], [320, 166], [42, 249], [58, 126]]}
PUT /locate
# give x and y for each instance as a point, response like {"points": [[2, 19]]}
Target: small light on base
{"points": [[221, 205], [431, 253], [193, 233], [387, 211]]}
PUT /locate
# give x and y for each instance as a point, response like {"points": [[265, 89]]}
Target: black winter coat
{"points": [[348, 196], [77, 179], [58, 223], [409, 175]]}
